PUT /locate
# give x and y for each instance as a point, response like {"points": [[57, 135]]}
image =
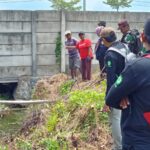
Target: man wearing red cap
{"points": [[130, 37], [124, 27]]}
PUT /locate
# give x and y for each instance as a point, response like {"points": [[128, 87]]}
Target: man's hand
{"points": [[67, 47], [124, 103], [88, 58], [106, 108]]}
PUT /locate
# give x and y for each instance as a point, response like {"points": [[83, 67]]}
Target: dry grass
{"points": [[47, 88]]}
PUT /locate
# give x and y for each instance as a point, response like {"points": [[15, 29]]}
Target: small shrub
{"points": [[58, 49], [50, 144], [66, 87], [3, 147], [86, 98], [52, 122], [23, 145]]}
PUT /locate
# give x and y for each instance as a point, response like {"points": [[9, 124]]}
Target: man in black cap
{"points": [[130, 93], [114, 63], [102, 23]]}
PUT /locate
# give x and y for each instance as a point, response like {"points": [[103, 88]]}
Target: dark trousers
{"points": [[86, 69]]}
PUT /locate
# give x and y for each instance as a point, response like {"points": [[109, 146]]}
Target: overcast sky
{"points": [[92, 5]]}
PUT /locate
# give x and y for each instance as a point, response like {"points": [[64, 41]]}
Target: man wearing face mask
{"points": [[135, 120]]}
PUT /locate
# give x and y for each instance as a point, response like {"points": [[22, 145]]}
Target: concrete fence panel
{"points": [[28, 38]]}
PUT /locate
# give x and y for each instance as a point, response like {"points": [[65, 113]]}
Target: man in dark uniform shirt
{"points": [[124, 27], [131, 93], [114, 63], [130, 37]]}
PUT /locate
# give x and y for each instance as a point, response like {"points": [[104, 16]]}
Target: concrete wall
{"points": [[27, 39]]}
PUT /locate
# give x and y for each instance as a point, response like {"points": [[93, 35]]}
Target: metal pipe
{"points": [[26, 101]]}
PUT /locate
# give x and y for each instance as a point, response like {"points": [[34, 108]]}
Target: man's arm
{"points": [[70, 47], [122, 88]]}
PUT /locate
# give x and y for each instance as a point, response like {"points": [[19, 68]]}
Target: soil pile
{"points": [[47, 88]]}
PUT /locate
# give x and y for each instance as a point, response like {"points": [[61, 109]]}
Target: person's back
{"points": [[135, 127], [135, 119], [115, 63], [100, 50]]}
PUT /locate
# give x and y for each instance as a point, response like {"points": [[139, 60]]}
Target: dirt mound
{"points": [[47, 88], [37, 118], [75, 124], [95, 137]]}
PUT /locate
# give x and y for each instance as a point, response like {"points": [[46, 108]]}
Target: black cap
{"points": [[147, 30], [81, 33], [102, 23]]}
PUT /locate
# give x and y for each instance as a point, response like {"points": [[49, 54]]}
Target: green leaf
{"points": [[116, 4]]}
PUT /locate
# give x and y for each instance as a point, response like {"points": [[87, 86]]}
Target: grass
{"points": [[11, 123], [76, 123]]}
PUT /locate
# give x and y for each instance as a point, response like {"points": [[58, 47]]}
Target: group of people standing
{"points": [[83, 52], [126, 63]]}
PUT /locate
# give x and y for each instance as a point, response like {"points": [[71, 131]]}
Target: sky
{"points": [[91, 5]]}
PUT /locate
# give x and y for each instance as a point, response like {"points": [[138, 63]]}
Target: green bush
{"points": [[3, 147], [58, 49], [23, 145], [52, 122], [50, 144], [86, 98], [66, 87], [57, 112]]}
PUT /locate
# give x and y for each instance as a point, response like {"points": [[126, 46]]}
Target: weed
{"points": [[58, 49], [52, 122], [23, 145], [3, 147], [66, 87], [51, 144]]}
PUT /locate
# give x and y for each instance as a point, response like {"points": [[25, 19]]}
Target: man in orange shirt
{"points": [[85, 50]]}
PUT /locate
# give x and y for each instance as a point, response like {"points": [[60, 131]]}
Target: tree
{"points": [[116, 4], [65, 4]]}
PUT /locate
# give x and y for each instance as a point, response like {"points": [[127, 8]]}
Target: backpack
{"points": [[133, 40], [123, 50], [100, 50]]}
